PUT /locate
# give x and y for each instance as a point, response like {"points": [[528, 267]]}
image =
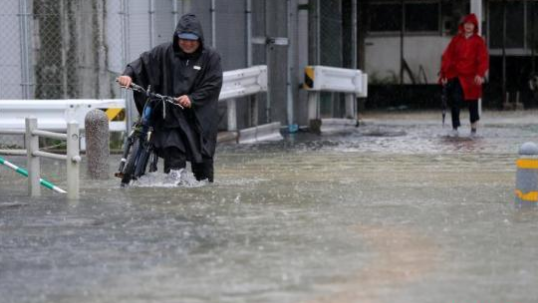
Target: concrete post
{"points": [[527, 176], [34, 168], [97, 144]]}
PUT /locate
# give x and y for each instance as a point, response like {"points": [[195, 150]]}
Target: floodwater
{"points": [[394, 211]]}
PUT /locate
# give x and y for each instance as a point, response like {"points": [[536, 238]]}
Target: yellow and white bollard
{"points": [[527, 176]]}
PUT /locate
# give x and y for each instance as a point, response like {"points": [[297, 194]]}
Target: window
{"points": [[515, 24], [385, 17], [420, 16], [532, 25]]}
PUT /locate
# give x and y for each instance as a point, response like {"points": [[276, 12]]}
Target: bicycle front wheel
{"points": [[130, 164]]}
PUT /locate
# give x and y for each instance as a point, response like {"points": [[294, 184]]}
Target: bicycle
{"points": [[137, 150]]}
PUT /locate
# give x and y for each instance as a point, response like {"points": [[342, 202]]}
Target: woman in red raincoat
{"points": [[464, 65]]}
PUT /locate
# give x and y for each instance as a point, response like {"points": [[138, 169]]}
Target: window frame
{"points": [[436, 32]]}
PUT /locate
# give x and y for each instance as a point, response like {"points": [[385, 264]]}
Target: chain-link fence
{"points": [[60, 49], [73, 49]]}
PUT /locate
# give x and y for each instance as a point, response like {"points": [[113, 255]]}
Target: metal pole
{"points": [[151, 23], [213, 23], [73, 160], [126, 56], [476, 8], [351, 99], [32, 145], [504, 51], [314, 46], [63, 49], [253, 100], [21, 171], [402, 24], [268, 51], [175, 12], [290, 70], [318, 32], [25, 53], [533, 35], [248, 20]]}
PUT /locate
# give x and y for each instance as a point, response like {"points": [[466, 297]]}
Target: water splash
{"points": [[157, 179]]}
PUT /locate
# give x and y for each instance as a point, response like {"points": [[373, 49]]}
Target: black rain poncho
{"points": [[172, 72]]}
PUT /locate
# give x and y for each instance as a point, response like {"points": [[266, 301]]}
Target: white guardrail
{"points": [[243, 82], [352, 82], [53, 115], [334, 79]]}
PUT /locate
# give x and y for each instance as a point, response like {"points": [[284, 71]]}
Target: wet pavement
{"points": [[394, 211]]}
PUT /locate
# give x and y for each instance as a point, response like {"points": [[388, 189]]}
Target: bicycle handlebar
{"points": [[149, 94]]}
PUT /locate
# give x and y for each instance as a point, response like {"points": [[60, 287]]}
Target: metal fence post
{"points": [[291, 28], [25, 49], [212, 9], [253, 100], [73, 160], [125, 25], [351, 99], [34, 169]]}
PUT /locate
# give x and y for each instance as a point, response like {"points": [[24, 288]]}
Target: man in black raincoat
{"points": [[191, 71]]}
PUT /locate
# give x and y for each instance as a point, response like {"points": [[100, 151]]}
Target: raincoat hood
{"points": [[188, 23], [471, 18]]}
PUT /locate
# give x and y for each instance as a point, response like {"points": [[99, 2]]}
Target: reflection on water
{"points": [[385, 213]]}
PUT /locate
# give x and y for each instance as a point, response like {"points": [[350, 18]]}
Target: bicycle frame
{"points": [[137, 148]]}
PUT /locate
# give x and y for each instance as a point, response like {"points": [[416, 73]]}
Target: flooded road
{"points": [[394, 211]]}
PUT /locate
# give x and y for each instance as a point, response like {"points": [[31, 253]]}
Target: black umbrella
{"points": [[444, 105]]}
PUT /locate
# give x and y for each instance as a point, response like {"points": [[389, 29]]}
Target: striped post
{"points": [[23, 172], [527, 176]]}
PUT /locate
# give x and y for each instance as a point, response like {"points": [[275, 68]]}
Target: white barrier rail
{"points": [[243, 82], [72, 158], [352, 82], [333, 79], [53, 114]]}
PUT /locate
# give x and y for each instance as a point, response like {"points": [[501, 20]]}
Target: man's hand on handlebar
{"points": [[184, 101], [124, 81]]}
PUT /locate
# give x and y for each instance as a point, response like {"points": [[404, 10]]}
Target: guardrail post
{"points": [[350, 106], [231, 110], [527, 176], [313, 105], [253, 110], [73, 160], [34, 169]]}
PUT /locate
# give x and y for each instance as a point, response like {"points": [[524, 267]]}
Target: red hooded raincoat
{"points": [[465, 58]]}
